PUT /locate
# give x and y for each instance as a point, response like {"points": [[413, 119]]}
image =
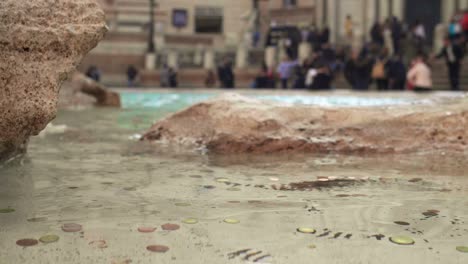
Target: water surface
{"points": [[95, 174]]}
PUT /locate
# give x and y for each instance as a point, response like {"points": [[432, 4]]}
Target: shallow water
{"points": [[96, 175]]}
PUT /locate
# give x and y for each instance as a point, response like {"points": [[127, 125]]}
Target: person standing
{"points": [[397, 31], [396, 73], [377, 34], [164, 76], [453, 54], [420, 75], [94, 73], [285, 71], [419, 32], [226, 74], [349, 29], [132, 75], [379, 73], [325, 35], [454, 29]]}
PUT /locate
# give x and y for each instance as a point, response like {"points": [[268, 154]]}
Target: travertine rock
{"points": [[81, 91], [41, 42], [234, 124]]}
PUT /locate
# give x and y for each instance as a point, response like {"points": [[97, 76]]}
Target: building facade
{"points": [[365, 12]]}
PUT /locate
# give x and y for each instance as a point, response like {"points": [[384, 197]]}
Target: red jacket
{"points": [[464, 22]]}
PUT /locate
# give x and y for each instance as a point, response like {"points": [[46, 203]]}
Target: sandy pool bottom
{"points": [[353, 206]]}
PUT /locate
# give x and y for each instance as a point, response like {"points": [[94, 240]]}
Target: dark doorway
{"points": [[427, 11]]}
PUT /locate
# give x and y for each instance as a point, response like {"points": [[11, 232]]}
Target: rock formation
{"points": [[81, 91], [41, 42], [234, 124]]}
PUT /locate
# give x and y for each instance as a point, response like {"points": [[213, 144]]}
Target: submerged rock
{"points": [[81, 91], [41, 42], [234, 124]]}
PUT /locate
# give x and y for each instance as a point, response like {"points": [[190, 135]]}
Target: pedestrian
{"points": [[419, 32], [453, 54], [210, 79], [94, 73], [319, 78], [420, 75], [349, 29], [397, 31], [314, 39], [132, 75], [454, 29], [173, 83], [379, 74], [363, 70], [325, 35], [226, 74], [165, 76], [285, 71], [396, 72], [377, 34]]}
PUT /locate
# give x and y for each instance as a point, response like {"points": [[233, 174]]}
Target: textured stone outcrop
{"points": [[234, 124], [41, 42], [81, 91]]}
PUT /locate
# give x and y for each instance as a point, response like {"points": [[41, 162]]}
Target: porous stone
{"points": [[235, 125], [41, 42]]}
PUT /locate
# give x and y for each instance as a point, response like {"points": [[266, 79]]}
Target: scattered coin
{"points": [[7, 210], [170, 227], [28, 242], [402, 223], [47, 239], [402, 240], [462, 249], [306, 230], [157, 248], [101, 244], [72, 228], [182, 204], [231, 221], [222, 180], [146, 229], [190, 221]]}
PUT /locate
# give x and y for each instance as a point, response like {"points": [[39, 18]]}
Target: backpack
{"points": [[378, 71]]}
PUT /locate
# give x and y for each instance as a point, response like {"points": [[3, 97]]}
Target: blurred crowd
{"points": [[397, 57]]}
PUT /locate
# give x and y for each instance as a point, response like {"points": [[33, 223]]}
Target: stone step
{"points": [[118, 48]]}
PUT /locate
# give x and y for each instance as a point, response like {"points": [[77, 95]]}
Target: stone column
{"points": [[305, 49], [448, 8], [209, 60], [270, 57], [198, 57], [388, 41], [319, 15], [399, 8], [150, 61], [281, 50], [464, 4], [241, 56], [334, 20], [439, 35], [173, 59]]}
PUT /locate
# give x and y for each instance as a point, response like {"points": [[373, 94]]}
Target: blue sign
{"points": [[179, 18]]}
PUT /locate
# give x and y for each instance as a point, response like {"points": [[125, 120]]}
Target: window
{"points": [[289, 3], [209, 20]]}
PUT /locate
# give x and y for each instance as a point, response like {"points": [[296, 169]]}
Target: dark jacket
{"points": [[226, 76]]}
